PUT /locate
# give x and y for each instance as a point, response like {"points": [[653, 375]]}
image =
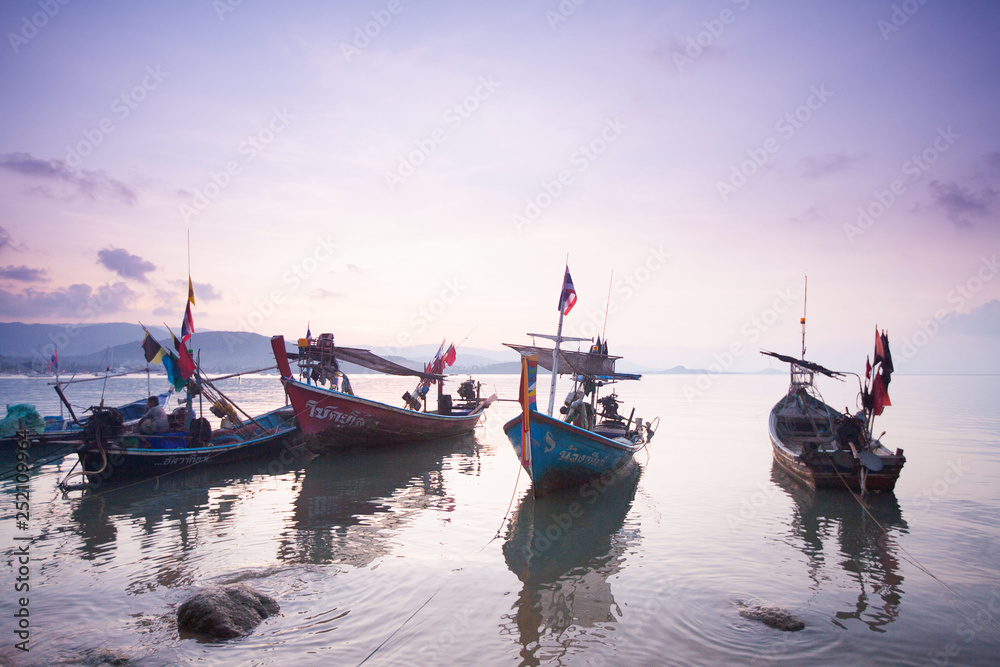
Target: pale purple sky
{"points": [[401, 172]]}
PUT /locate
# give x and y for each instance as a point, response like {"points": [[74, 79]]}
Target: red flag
{"points": [[184, 361], [868, 368], [880, 396], [449, 356], [567, 298]]}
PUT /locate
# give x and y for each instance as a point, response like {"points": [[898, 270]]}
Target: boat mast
{"points": [[805, 296], [555, 363]]}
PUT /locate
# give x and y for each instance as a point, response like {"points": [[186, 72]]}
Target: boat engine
{"points": [[103, 425], [609, 405], [468, 390]]}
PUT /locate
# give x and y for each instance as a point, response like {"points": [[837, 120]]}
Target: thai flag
{"points": [[568, 297]]}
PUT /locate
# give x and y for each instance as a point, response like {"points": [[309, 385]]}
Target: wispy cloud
{"points": [[824, 165], [23, 273], [320, 293], [981, 321], [93, 184], [5, 241], [959, 202], [124, 263], [80, 302]]}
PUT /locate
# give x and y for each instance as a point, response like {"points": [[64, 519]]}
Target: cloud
{"points": [[79, 302], [981, 321], [23, 273], [320, 293], [5, 241], [811, 215], [959, 202], [824, 165], [93, 184], [124, 263]]}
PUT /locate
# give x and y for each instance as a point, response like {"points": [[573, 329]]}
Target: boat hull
{"points": [[123, 461], [337, 419], [823, 466], [563, 455]]}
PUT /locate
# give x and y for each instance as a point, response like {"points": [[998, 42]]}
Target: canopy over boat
{"points": [[595, 365], [361, 357], [808, 365]]}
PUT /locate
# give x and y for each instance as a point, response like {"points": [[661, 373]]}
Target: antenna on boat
{"points": [[604, 329], [805, 297]]}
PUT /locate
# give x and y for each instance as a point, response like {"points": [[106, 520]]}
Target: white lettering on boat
{"points": [[184, 460], [594, 460], [330, 413]]}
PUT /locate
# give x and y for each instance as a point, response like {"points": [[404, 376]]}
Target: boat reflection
{"points": [[865, 546], [564, 547], [174, 509], [351, 502]]}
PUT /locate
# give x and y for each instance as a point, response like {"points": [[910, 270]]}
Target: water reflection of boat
{"points": [[865, 552], [352, 502], [564, 547], [172, 510]]}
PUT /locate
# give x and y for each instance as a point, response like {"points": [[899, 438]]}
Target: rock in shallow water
{"points": [[773, 617], [103, 657], [225, 612]]}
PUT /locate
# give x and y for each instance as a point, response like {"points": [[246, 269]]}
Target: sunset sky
{"points": [[398, 172]]}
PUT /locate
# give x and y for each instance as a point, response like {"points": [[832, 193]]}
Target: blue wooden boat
{"points": [[591, 440], [564, 455]]}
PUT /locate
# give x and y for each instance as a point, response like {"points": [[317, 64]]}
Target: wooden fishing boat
{"points": [[111, 456], [335, 417], [822, 447], [588, 442]]}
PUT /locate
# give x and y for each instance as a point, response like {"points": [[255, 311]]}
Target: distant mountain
{"points": [[95, 347], [29, 340]]}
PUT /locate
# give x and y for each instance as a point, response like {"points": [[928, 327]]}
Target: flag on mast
{"points": [[152, 350], [185, 363], [527, 397], [187, 326], [567, 298], [190, 291]]}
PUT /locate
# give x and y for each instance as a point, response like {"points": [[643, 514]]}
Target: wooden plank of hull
{"points": [[563, 455], [343, 419], [824, 473]]}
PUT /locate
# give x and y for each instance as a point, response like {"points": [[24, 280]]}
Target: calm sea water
{"points": [[410, 555]]}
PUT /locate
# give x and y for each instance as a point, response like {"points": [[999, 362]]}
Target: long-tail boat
{"points": [[822, 447], [338, 418], [110, 455], [587, 443]]}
